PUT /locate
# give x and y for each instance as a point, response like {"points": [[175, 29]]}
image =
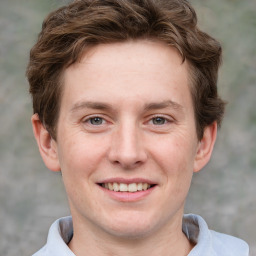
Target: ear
{"points": [[205, 147], [46, 144]]}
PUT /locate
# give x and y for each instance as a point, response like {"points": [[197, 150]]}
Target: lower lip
{"points": [[128, 196]]}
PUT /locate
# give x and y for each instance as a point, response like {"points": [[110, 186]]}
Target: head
{"points": [[127, 108], [68, 33]]}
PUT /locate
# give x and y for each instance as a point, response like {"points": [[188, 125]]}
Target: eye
{"points": [[96, 123], [96, 120], [159, 120]]}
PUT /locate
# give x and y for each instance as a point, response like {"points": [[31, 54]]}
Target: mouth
{"points": [[124, 187]]}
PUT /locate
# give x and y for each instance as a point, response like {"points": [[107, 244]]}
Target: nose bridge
{"points": [[127, 145]]}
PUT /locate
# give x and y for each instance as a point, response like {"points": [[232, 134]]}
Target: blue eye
{"points": [[158, 120], [96, 120]]}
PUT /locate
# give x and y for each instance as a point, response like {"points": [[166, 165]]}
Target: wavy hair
{"points": [[69, 31]]}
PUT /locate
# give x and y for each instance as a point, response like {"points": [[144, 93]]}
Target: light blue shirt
{"points": [[207, 242]]}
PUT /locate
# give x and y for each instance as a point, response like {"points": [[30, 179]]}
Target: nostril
{"points": [[128, 165], [126, 151]]}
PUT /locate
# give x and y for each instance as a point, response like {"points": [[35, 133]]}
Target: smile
{"points": [[123, 187]]}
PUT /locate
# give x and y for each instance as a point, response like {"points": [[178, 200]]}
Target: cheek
{"points": [[80, 155], [175, 157], [80, 158], [177, 151]]}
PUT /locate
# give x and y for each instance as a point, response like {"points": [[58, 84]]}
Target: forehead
{"points": [[135, 68], [125, 55]]}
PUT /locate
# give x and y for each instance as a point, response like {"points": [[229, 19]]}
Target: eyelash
{"points": [[164, 122], [88, 120], [97, 119], [160, 118], [167, 120]]}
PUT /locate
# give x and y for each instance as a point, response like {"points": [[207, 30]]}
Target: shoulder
{"points": [[228, 245], [210, 243], [60, 233], [41, 252]]}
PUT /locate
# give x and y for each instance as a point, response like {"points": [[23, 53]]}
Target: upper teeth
{"points": [[122, 187]]}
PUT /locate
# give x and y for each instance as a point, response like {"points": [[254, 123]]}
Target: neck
{"points": [[168, 241]]}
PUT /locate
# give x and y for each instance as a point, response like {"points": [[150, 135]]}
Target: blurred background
{"points": [[32, 197]]}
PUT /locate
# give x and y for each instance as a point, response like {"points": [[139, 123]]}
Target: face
{"points": [[126, 138]]}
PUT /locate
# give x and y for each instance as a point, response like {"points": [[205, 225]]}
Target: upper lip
{"points": [[127, 181]]}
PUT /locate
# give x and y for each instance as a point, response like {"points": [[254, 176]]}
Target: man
{"points": [[126, 107]]}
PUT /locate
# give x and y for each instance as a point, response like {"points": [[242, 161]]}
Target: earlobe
{"points": [[205, 147], [46, 144]]}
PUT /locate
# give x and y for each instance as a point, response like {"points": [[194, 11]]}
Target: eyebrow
{"points": [[105, 106], [91, 105], [164, 104]]}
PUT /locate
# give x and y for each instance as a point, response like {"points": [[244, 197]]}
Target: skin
{"points": [[127, 115]]}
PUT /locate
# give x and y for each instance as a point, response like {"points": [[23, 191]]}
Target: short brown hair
{"points": [[69, 31]]}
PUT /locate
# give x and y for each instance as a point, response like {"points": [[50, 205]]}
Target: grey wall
{"points": [[31, 197]]}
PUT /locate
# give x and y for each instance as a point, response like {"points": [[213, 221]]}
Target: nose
{"points": [[127, 148]]}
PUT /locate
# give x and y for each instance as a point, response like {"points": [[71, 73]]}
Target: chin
{"points": [[130, 232], [131, 228]]}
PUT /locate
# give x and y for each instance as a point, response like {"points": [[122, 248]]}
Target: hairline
{"points": [[84, 52]]}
